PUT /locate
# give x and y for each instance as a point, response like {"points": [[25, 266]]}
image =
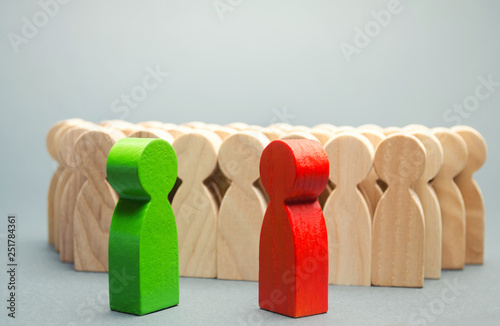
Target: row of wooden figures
{"points": [[219, 201]]}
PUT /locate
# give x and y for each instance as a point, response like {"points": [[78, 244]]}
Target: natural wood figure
{"points": [[194, 205], [96, 200], [450, 199], [369, 186], [346, 212], [430, 203], [61, 181], [398, 226], [242, 208], [52, 147], [293, 250], [143, 247], [70, 189], [472, 195]]}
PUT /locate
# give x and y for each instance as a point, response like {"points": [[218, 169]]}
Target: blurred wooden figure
{"points": [[472, 195]]}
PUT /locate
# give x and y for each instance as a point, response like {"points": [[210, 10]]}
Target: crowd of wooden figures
{"points": [[400, 204]]}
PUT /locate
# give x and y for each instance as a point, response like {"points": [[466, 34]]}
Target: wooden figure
{"points": [[430, 203], [369, 186], [194, 205], [143, 247], [293, 250], [242, 208], [95, 201], [347, 215], [61, 181], [52, 147], [70, 189], [398, 226], [450, 199], [471, 193]]}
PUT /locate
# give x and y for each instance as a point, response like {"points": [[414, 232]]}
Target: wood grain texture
{"points": [[450, 199], [242, 208], [293, 249], [52, 148], [398, 226], [143, 247], [61, 181], [95, 202], [472, 195], [346, 212], [70, 189], [430, 203], [369, 186], [194, 206]]}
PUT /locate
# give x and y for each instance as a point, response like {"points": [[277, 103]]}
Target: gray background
{"points": [[267, 61]]}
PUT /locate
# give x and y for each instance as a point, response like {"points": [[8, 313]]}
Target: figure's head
{"points": [[400, 159], [294, 170], [141, 168]]}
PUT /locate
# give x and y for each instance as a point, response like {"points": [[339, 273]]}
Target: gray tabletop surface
{"points": [[53, 293]]}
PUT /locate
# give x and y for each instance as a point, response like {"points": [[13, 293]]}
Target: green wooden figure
{"points": [[143, 244]]}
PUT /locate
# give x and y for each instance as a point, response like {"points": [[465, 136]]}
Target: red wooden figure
{"points": [[293, 252]]}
